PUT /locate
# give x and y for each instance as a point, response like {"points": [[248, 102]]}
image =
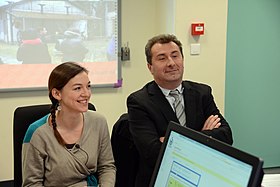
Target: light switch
{"points": [[195, 49]]}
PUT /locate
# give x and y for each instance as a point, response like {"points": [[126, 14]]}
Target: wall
{"points": [[209, 66], [165, 15], [252, 89], [140, 21]]}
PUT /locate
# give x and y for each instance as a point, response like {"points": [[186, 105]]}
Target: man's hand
{"points": [[212, 122], [161, 139]]}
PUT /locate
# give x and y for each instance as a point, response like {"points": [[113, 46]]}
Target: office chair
{"points": [[125, 153], [23, 117]]}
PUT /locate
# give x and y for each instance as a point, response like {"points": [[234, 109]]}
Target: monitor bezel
{"points": [[256, 162]]}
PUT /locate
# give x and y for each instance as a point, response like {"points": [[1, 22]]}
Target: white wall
{"points": [[140, 21], [209, 66]]}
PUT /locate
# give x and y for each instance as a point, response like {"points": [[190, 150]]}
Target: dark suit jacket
{"points": [[150, 112]]}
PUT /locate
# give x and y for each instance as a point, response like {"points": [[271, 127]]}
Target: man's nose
{"points": [[170, 61]]}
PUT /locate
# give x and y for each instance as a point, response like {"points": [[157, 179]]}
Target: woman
{"points": [[70, 146]]}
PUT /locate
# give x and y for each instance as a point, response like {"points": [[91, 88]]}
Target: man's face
{"points": [[167, 65]]}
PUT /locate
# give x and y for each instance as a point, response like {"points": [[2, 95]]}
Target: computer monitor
{"points": [[191, 159]]}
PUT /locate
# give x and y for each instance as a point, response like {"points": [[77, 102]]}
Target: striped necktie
{"points": [[178, 106]]}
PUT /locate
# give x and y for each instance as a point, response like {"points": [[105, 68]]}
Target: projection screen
{"points": [[36, 36]]}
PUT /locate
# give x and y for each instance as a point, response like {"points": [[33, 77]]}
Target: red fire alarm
{"points": [[197, 29]]}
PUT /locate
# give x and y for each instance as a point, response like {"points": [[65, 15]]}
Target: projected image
{"points": [[54, 31], [57, 31]]}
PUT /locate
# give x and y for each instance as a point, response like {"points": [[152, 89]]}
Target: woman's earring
{"points": [[59, 107]]}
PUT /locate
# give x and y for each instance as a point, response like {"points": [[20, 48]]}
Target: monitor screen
{"points": [[187, 162]]}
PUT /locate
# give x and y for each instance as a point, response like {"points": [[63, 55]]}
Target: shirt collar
{"points": [[180, 88]]}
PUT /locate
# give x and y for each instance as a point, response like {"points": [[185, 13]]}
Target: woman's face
{"points": [[75, 95]]}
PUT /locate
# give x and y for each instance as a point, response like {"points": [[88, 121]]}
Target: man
{"points": [[32, 50], [72, 47], [152, 107]]}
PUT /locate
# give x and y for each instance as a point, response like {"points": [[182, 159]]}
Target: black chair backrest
{"points": [[125, 153], [23, 117]]}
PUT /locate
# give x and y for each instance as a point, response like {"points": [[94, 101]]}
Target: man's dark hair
{"points": [[162, 39]]}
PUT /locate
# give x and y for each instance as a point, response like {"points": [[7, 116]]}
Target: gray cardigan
{"points": [[46, 163]]}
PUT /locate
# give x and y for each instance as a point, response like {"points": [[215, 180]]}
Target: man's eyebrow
{"points": [[161, 54], [175, 52]]}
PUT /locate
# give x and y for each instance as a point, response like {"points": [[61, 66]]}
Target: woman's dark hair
{"points": [[58, 78], [162, 39]]}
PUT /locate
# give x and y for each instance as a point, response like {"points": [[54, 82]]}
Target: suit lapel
{"points": [[189, 102], [158, 98]]}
